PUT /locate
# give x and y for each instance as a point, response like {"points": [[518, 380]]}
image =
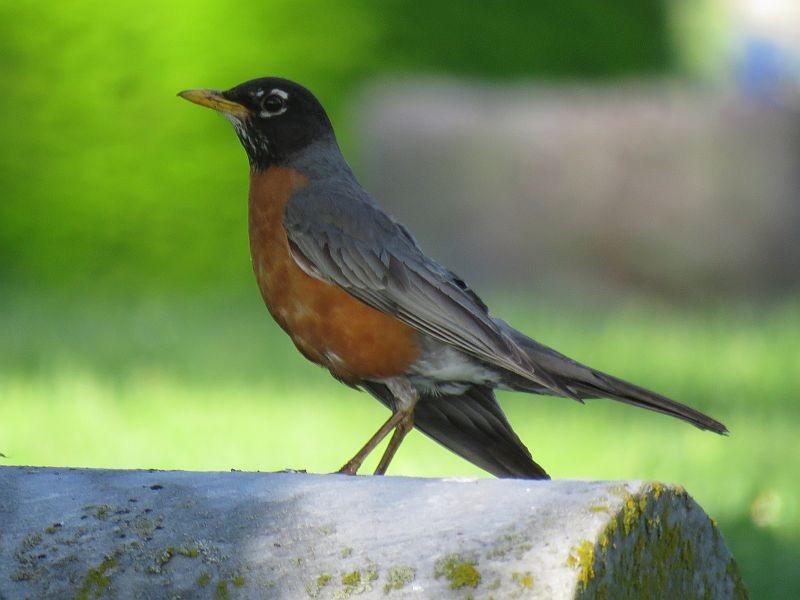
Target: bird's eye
{"points": [[274, 104]]}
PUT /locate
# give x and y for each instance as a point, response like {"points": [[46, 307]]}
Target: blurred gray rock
{"points": [[678, 192]]}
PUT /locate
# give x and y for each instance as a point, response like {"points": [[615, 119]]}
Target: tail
{"points": [[582, 382], [473, 426]]}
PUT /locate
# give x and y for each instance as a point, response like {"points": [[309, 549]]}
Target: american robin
{"points": [[357, 295]]}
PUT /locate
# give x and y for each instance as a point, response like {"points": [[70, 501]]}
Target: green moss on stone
{"points": [[238, 580], [464, 574], [103, 511], [398, 577], [514, 543], [29, 542], [53, 528], [370, 573], [204, 579], [661, 558], [658, 489], [161, 559], [221, 591], [739, 589], [97, 580], [630, 513], [168, 553], [145, 526], [459, 570], [352, 578], [583, 557], [314, 588], [357, 582], [524, 580], [189, 551]]}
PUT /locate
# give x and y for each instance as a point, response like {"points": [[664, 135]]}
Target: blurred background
{"points": [[619, 180]]}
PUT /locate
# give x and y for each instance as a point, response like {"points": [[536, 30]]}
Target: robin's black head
{"points": [[274, 118]]}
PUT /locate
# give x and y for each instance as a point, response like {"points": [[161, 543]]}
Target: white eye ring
{"points": [[274, 104]]}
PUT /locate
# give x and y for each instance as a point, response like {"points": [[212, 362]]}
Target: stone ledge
{"points": [[87, 533]]}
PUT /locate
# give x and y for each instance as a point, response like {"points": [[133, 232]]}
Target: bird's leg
{"points": [[405, 425], [402, 421], [354, 464], [405, 396]]}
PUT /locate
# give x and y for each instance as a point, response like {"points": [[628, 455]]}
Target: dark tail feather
{"points": [[473, 426], [585, 382], [618, 389]]}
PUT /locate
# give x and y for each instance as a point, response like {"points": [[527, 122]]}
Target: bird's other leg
{"points": [[402, 420], [406, 397], [405, 425], [354, 464]]}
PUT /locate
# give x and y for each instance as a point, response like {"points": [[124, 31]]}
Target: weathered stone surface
{"points": [[80, 533]]}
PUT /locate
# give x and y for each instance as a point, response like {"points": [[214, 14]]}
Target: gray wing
{"points": [[342, 237]]}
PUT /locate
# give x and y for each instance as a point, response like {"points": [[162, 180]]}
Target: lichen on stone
{"points": [[658, 489], [524, 580], [97, 580], [189, 551], [630, 513], [314, 588], [144, 526], [460, 570], [739, 589], [512, 543], [52, 529], [162, 558], [582, 557], [655, 547], [26, 556], [398, 577], [352, 578], [221, 591], [370, 573], [356, 582], [29, 542]]}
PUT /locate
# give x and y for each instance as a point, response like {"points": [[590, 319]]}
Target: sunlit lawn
{"points": [[213, 385]]}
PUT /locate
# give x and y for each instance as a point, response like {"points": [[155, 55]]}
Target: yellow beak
{"points": [[214, 99]]}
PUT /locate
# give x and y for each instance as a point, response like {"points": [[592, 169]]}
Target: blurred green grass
{"points": [[211, 383], [101, 159]]}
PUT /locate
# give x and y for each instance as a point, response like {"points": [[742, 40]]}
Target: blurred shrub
{"points": [[106, 179]]}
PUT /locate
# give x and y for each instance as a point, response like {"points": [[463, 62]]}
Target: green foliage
{"points": [[108, 180]]}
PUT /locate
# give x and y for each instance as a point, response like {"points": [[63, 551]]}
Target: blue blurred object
{"points": [[767, 70]]}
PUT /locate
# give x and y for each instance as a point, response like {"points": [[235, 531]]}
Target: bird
{"points": [[357, 295]]}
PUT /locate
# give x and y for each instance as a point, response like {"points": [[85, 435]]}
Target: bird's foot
{"points": [[350, 468]]}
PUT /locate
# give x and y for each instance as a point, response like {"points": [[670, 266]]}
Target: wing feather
{"points": [[342, 237]]}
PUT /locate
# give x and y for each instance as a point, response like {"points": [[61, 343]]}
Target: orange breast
{"points": [[330, 327]]}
